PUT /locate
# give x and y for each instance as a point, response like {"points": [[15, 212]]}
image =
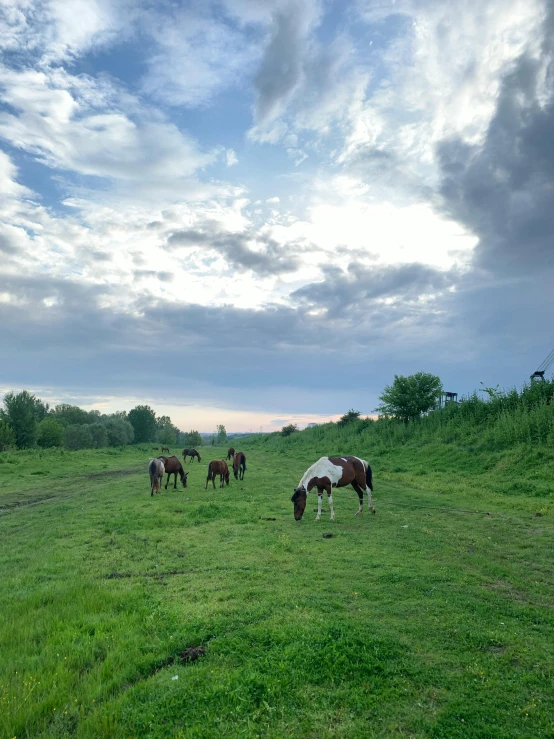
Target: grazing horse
{"points": [[174, 467], [156, 469], [334, 472], [239, 465], [230, 453], [155, 448], [218, 467], [165, 449], [192, 453]]}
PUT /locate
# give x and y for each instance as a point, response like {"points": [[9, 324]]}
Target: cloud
{"points": [[502, 190], [247, 250], [231, 157], [281, 67], [48, 31], [360, 288], [70, 123], [196, 56]]}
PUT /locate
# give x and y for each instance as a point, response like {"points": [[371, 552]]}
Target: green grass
{"points": [[433, 618]]}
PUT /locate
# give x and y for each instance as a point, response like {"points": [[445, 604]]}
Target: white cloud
{"points": [[442, 76], [231, 157], [54, 30], [74, 126]]}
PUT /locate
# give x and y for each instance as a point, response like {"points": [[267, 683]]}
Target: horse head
{"points": [[299, 499], [184, 479]]}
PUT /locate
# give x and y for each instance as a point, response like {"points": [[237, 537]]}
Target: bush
{"points": [[191, 440], [7, 436], [288, 430], [349, 417], [99, 435], [50, 433], [119, 431], [77, 436]]}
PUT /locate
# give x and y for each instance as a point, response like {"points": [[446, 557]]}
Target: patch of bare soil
{"points": [[114, 473], [21, 503]]}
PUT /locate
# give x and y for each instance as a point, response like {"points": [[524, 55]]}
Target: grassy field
{"points": [[433, 618]]}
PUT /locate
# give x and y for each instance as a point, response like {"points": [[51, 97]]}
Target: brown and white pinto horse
{"points": [[174, 467], [156, 470], [230, 453], [334, 472], [239, 465], [218, 467], [192, 453]]}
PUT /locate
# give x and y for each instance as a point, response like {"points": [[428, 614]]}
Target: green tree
{"points": [[167, 432], [409, 397], [290, 429], [221, 436], [70, 415], [41, 410], [50, 433], [143, 420], [7, 435], [120, 432], [99, 435], [77, 436], [20, 410], [352, 415], [192, 439]]}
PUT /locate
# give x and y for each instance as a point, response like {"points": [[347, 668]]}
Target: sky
{"points": [[256, 212]]}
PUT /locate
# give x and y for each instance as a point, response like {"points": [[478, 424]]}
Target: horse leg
{"points": [[360, 492], [369, 500], [167, 481], [319, 502], [175, 485], [330, 501]]}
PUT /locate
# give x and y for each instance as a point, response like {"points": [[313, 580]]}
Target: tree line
{"points": [[27, 422]]}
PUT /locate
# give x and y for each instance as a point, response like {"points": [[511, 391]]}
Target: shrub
{"points": [[290, 429], [7, 436], [50, 433], [77, 436]]}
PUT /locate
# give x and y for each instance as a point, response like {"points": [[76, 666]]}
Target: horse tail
{"points": [[210, 472], [368, 477], [244, 462]]}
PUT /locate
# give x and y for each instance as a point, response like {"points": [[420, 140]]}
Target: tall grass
{"points": [[510, 433]]}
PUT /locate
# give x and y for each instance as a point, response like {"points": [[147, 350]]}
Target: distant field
{"points": [[433, 618]]}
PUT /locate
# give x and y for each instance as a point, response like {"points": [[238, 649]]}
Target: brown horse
{"points": [[174, 467], [165, 449], [239, 465], [230, 453], [192, 453], [334, 472], [218, 467]]}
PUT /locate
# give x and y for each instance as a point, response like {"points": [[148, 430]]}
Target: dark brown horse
{"points": [[192, 453], [165, 449], [218, 467], [334, 472], [239, 465], [230, 453], [174, 467]]}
